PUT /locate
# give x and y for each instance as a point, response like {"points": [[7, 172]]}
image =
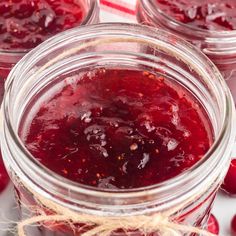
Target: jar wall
{"points": [[8, 58]]}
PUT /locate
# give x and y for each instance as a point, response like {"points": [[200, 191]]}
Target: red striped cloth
{"points": [[119, 7]]}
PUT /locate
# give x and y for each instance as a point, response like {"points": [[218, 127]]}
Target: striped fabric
{"points": [[118, 10], [120, 7]]}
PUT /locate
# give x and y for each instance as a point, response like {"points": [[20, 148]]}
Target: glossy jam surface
{"points": [[118, 129], [204, 14], [26, 23]]}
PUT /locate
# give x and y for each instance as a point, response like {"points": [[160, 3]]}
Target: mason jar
{"points": [[9, 57], [219, 46], [52, 205]]}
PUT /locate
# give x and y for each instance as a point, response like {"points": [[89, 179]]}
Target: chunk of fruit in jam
{"points": [[205, 14], [25, 24], [118, 128]]}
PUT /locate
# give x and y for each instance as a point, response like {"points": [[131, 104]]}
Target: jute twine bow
{"points": [[162, 223]]}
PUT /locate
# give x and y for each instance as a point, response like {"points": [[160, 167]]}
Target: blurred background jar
{"points": [[25, 24], [209, 25]]}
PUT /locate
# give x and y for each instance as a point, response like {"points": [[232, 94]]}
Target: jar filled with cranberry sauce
{"points": [[116, 129], [208, 24], [25, 24]]}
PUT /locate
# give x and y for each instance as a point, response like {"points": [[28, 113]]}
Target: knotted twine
{"points": [[161, 222]]}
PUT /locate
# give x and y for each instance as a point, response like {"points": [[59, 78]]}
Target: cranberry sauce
{"points": [[4, 179], [25, 24], [118, 128], [229, 184], [205, 14]]}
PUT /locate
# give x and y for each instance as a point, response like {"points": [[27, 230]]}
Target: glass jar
{"points": [[185, 200], [219, 46], [8, 58]]}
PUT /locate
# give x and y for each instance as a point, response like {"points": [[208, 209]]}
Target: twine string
{"points": [[105, 225]]}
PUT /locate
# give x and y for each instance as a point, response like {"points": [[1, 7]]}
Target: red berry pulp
{"points": [[204, 14], [213, 225], [4, 179], [26, 23], [229, 184], [118, 128], [233, 225]]}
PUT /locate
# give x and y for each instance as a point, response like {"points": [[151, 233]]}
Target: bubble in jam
{"points": [[117, 129], [204, 14], [25, 24]]}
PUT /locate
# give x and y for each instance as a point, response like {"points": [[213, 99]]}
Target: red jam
{"points": [[205, 14], [118, 129], [24, 24], [4, 179], [229, 184]]}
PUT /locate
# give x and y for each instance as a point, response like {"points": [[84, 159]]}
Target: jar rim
{"points": [[136, 192], [150, 6], [93, 8]]}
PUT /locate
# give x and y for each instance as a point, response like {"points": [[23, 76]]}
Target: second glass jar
{"points": [[31, 17], [219, 46]]}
